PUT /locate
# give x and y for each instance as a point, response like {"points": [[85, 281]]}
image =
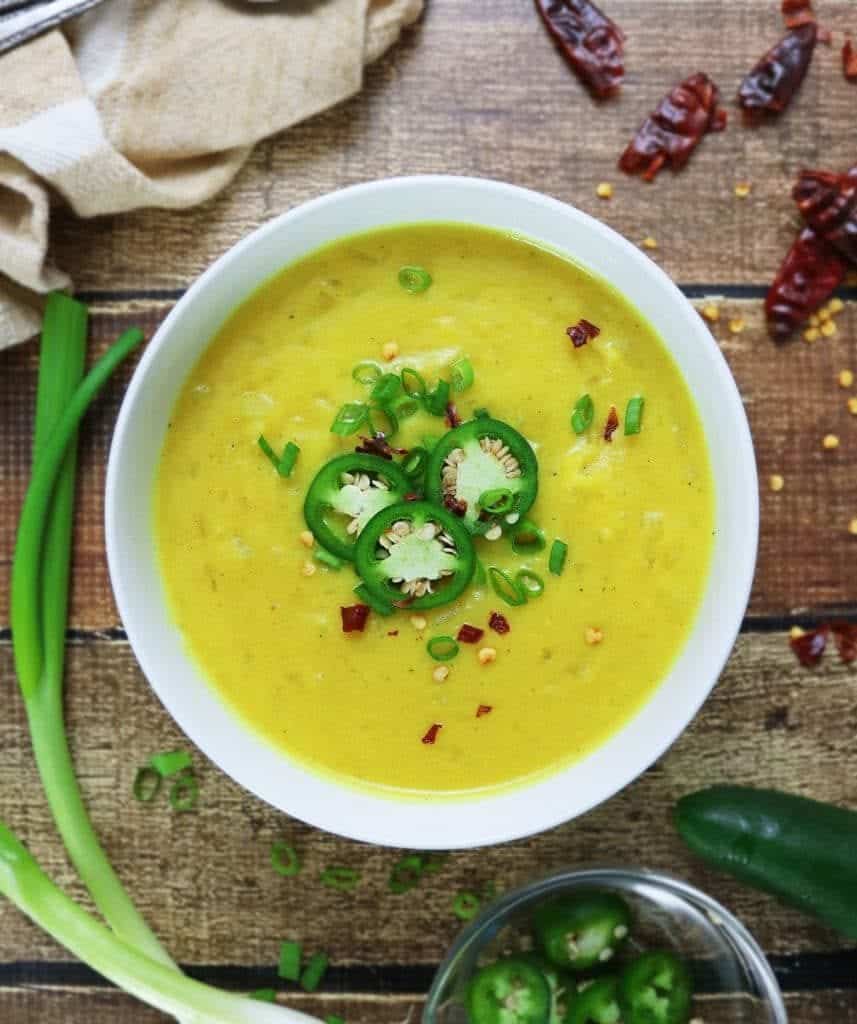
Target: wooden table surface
{"points": [[474, 89]]}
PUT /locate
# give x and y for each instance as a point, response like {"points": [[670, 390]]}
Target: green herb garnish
{"points": [[414, 279], [557, 557], [634, 415], [466, 906], [184, 793], [337, 877], [170, 763], [462, 374], [349, 419], [284, 859], [147, 784], [367, 373], [505, 587], [582, 416], [289, 967], [527, 538], [326, 558], [314, 972], [442, 648]]}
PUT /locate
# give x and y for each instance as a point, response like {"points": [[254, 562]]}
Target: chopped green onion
{"points": [[314, 972], [170, 763], [442, 648], [414, 279], [462, 374], [413, 383], [289, 968], [497, 502], [386, 388], [480, 577], [430, 442], [581, 417], [326, 558], [349, 419], [557, 556], [438, 399], [367, 373], [414, 463], [406, 873], [375, 603], [527, 538], [392, 425], [405, 406], [506, 588], [184, 792], [634, 415], [284, 859], [433, 862], [481, 413], [333, 1019], [466, 906], [288, 459], [268, 450], [530, 583], [264, 995], [336, 877], [147, 784]]}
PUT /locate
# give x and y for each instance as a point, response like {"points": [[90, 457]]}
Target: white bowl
{"points": [[269, 772]]}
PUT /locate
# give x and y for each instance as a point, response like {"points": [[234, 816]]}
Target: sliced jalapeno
{"points": [[346, 493], [415, 552], [479, 459], [597, 1003], [509, 992], [557, 983], [656, 989], [578, 932]]}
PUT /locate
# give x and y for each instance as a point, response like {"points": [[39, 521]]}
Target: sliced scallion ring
{"points": [[506, 588], [284, 859], [349, 419], [442, 648], [462, 374], [529, 583], [415, 279], [367, 373], [557, 557]]}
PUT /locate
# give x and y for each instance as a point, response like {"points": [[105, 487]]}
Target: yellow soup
{"points": [[262, 616]]}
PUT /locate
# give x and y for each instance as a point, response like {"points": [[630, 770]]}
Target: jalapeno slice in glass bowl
{"points": [[583, 931], [656, 989], [415, 553], [483, 459], [346, 493], [597, 1003], [509, 992]]}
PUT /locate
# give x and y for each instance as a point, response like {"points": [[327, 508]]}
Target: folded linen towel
{"points": [[158, 103]]}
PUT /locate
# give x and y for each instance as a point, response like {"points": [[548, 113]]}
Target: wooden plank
{"points": [[792, 398], [204, 881], [493, 98]]}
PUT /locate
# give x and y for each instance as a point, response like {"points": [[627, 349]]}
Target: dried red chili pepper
{"points": [[845, 635], [354, 618], [590, 42], [611, 424], [453, 420], [770, 86], [849, 61], [470, 634], [378, 444], [828, 203], [499, 623], [581, 332], [674, 129], [810, 646], [797, 13], [808, 276], [484, 709], [431, 735]]}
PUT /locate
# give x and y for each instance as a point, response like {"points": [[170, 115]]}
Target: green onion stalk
{"points": [[131, 955]]}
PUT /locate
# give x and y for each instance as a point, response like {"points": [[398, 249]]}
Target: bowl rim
{"points": [[418, 820], [602, 874]]}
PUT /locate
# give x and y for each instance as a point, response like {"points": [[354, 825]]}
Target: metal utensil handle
{"points": [[22, 24]]}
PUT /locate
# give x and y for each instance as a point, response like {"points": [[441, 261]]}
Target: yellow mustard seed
{"points": [[649, 242], [440, 674], [828, 328], [604, 190], [852, 527], [811, 334], [419, 622], [308, 569], [796, 632], [711, 313], [830, 442], [743, 189], [852, 406], [776, 482], [814, 320], [390, 350], [836, 305], [593, 635], [736, 324], [487, 655], [845, 378], [823, 315], [307, 539]]}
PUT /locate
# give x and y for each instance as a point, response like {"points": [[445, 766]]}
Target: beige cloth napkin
{"points": [[158, 103]]}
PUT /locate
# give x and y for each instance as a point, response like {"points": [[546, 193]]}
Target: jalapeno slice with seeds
{"points": [[596, 1003], [483, 457], [509, 992], [346, 493], [656, 989], [557, 983], [415, 553], [579, 932]]}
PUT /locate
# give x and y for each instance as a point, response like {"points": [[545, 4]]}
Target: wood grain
{"points": [[792, 398], [204, 880], [466, 94]]}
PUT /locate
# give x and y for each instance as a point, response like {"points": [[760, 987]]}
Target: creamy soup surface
{"points": [[637, 514]]}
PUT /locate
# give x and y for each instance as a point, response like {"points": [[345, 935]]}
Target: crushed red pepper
{"points": [[378, 444], [810, 646], [674, 129], [828, 203], [612, 424], [849, 60], [590, 41], [457, 506], [808, 276], [354, 617], [470, 634], [845, 635], [581, 332], [431, 736], [484, 709], [797, 13], [770, 85], [453, 420], [499, 623]]}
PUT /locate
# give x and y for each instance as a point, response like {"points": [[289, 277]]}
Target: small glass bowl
{"points": [[733, 982]]}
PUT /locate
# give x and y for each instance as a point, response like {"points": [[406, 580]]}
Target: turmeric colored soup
{"points": [[637, 514]]}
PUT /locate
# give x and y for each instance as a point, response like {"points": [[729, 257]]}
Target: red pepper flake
{"points": [[809, 275], [483, 709], [499, 623], [453, 420], [849, 61], [828, 203], [412, 496], [810, 646], [771, 84], [590, 42], [845, 635], [470, 634], [797, 13], [431, 736], [582, 332], [611, 424], [671, 133], [354, 618], [457, 506], [378, 444]]}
